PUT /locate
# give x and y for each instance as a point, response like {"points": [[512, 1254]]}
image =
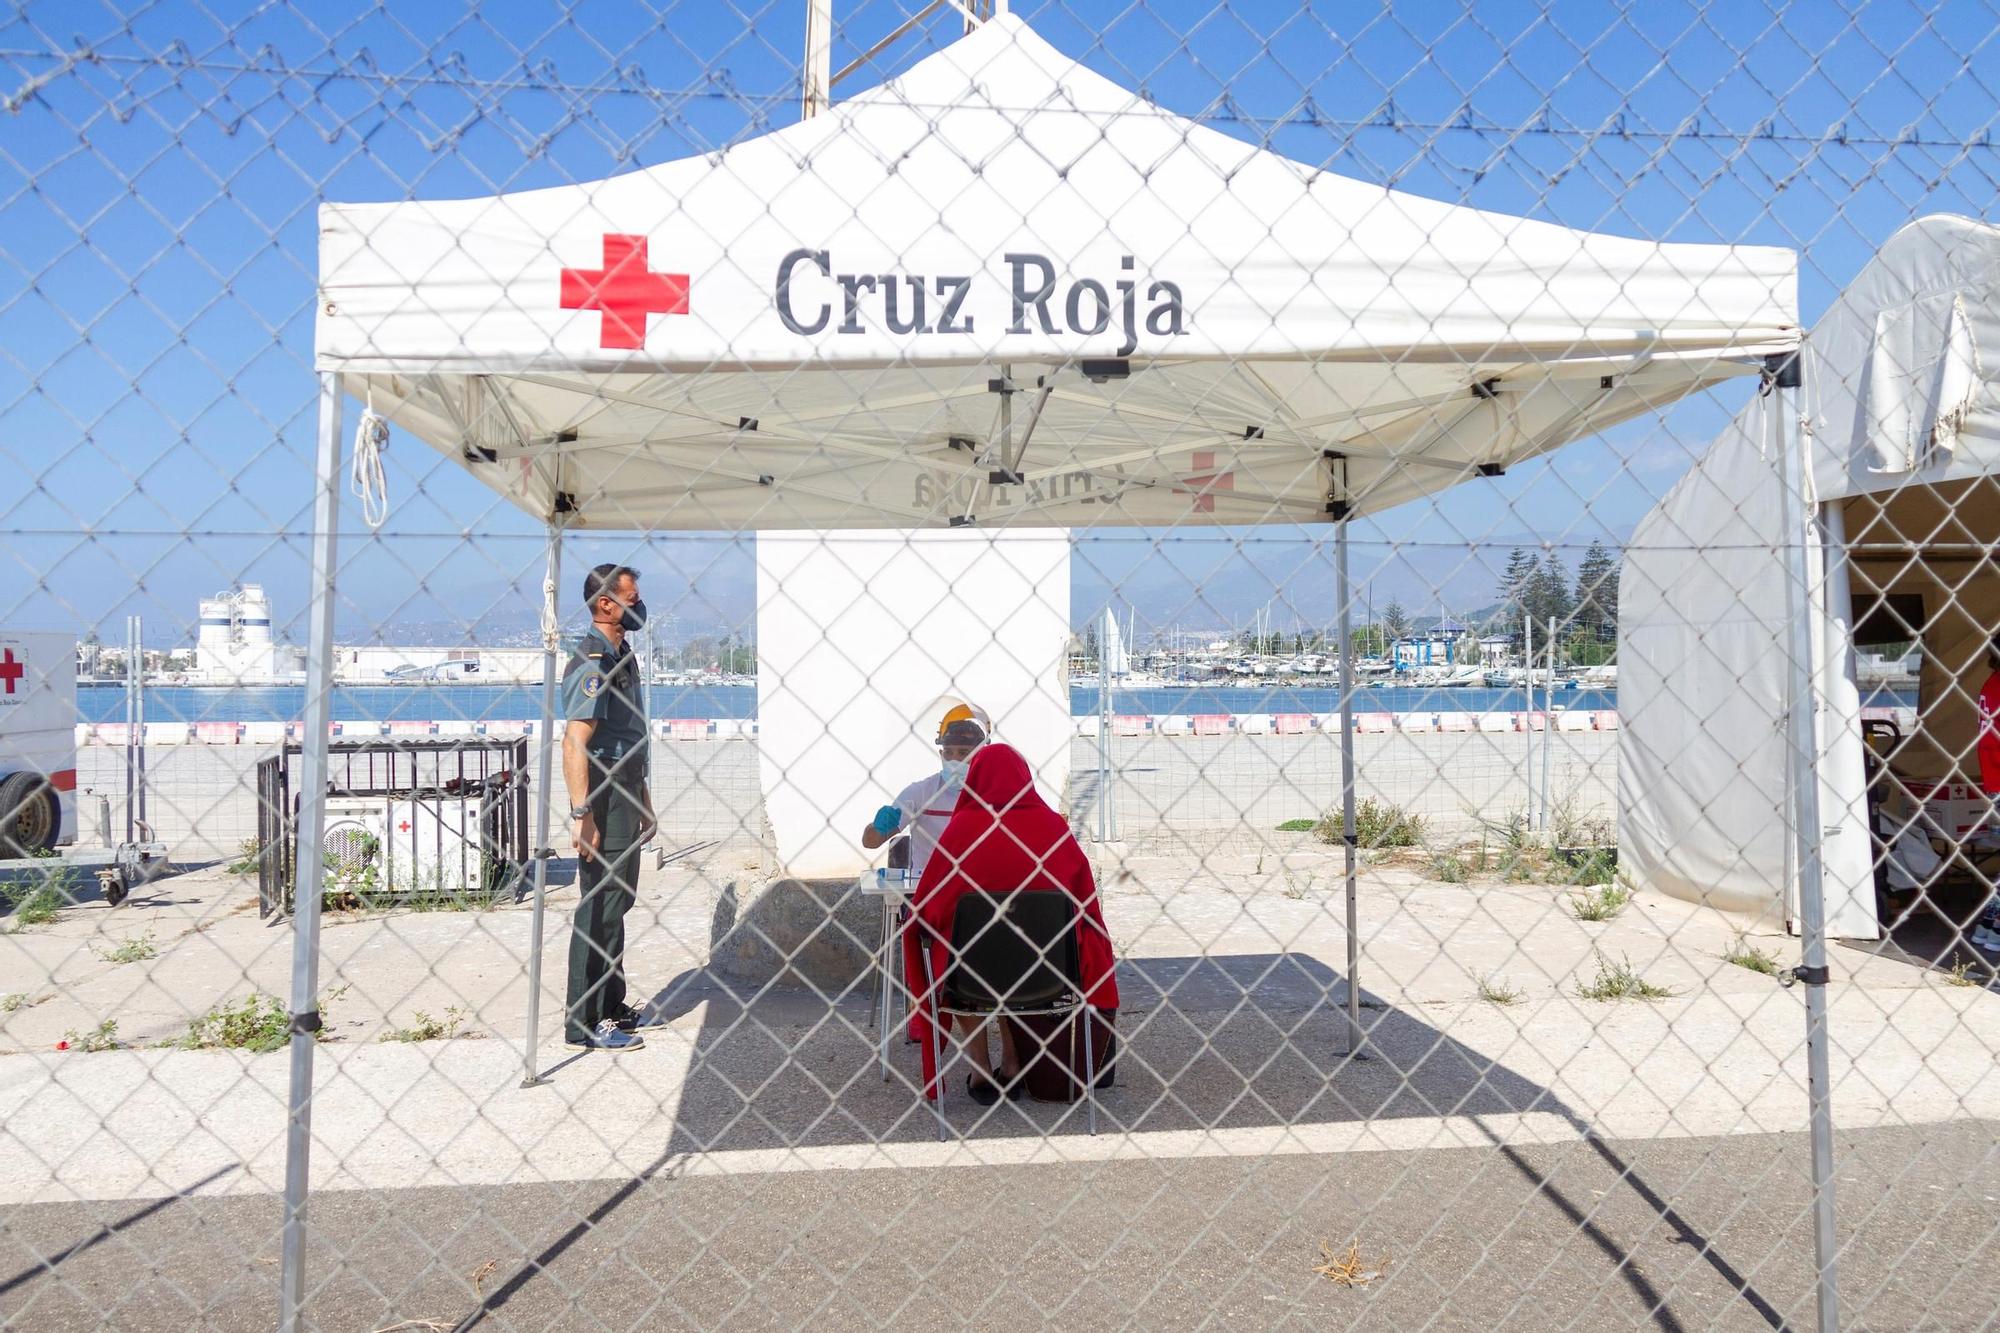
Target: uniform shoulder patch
{"points": [[593, 683]]}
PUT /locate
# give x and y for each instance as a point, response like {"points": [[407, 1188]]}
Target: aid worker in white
{"points": [[925, 806]]}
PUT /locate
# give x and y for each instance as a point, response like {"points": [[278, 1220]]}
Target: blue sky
{"points": [[160, 164]]}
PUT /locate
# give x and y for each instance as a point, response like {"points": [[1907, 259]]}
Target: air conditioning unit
{"points": [[434, 844], [353, 840]]}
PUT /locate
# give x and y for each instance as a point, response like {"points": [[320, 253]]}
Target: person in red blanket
{"points": [[1986, 928], [1989, 723], [1004, 836]]}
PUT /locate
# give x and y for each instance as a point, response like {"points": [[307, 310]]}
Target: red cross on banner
{"points": [[626, 290], [403, 827], [1207, 484], [11, 670]]}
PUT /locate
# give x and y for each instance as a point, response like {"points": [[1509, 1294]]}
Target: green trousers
{"points": [[608, 884]]}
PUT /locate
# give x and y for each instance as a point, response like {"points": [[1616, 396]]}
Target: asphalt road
{"points": [[1671, 1233]]}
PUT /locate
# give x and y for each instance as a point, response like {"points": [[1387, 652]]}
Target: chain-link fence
{"points": [[1158, 666]]}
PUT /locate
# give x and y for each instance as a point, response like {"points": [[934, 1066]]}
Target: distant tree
{"points": [[1395, 620], [1597, 594], [1546, 595], [697, 653], [1514, 581], [1586, 649]]}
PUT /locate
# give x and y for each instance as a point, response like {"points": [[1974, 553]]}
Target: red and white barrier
{"points": [[1211, 724], [403, 727], [1253, 724], [1574, 719], [1606, 720], [218, 733], [1456, 722], [1170, 724], [1416, 723], [1293, 724], [687, 728], [1375, 724], [1131, 724], [1498, 722]]}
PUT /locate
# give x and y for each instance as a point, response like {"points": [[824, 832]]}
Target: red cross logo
{"points": [[10, 670], [403, 827], [1208, 483], [626, 290]]}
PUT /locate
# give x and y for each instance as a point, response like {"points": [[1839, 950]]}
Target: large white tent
{"points": [[998, 290], [807, 329], [1901, 416]]}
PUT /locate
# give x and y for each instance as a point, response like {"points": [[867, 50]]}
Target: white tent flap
{"points": [[1923, 374]]}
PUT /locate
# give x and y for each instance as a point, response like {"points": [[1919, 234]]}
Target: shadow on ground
{"points": [[1933, 932]]}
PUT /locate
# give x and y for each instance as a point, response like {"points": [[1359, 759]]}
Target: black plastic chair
{"points": [[1013, 955]]}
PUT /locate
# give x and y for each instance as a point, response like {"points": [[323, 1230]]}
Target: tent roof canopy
{"points": [[820, 327], [1900, 372]]}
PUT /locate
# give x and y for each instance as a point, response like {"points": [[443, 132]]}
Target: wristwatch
{"points": [[578, 811]]}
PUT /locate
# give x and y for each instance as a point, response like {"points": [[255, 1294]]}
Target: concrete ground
{"points": [[1554, 1161], [1663, 1233]]}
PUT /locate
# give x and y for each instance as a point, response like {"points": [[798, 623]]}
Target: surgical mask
{"points": [[633, 617], [955, 771]]}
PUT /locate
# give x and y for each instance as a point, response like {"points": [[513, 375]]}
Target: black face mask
{"points": [[633, 617]]}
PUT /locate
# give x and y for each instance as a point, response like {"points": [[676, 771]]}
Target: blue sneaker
{"points": [[607, 1037]]}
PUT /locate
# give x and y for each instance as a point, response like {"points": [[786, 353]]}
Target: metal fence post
{"points": [[1105, 731], [544, 762], [306, 888], [131, 733], [1528, 718], [1548, 720]]}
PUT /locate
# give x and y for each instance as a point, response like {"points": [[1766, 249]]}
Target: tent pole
{"points": [[544, 761], [1348, 836], [817, 68], [1793, 484], [306, 887]]}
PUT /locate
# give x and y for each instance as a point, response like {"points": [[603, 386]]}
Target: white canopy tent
{"points": [[997, 290], [807, 329], [1902, 451]]}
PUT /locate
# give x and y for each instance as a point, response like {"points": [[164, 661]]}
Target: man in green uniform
{"points": [[611, 808]]}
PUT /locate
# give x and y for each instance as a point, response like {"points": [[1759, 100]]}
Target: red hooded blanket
{"points": [[1004, 836]]}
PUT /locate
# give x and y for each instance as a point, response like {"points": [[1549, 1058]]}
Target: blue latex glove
{"points": [[887, 820]]}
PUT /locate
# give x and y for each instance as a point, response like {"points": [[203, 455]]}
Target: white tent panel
{"points": [[803, 330], [1902, 411], [845, 675]]}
